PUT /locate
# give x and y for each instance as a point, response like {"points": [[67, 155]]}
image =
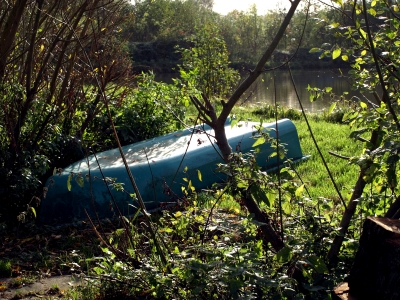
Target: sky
{"points": [[225, 6]]}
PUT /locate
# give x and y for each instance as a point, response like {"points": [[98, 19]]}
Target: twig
{"points": [[338, 155], [315, 141]]}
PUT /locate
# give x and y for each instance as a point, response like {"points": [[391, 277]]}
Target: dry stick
{"points": [[339, 155], [113, 199], [350, 210], [360, 185], [136, 189], [91, 190], [211, 211], [116, 251], [152, 176], [278, 158], [269, 233], [260, 65], [132, 180], [184, 154], [314, 140]]}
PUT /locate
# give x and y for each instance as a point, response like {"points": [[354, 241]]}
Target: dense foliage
{"points": [[64, 90], [159, 25], [58, 89]]}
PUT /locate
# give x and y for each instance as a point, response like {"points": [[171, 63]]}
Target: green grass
{"points": [[329, 137]]}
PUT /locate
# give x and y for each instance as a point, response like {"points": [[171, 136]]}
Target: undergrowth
{"points": [[216, 249]]}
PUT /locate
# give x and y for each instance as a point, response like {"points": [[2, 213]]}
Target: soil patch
{"points": [[50, 287]]}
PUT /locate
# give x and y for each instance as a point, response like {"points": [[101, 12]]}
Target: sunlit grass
{"points": [[329, 137]]}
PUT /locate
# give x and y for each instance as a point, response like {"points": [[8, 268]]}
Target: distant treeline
{"points": [[161, 57], [156, 27]]}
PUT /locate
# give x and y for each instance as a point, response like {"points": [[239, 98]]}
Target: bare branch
{"points": [[259, 68]]}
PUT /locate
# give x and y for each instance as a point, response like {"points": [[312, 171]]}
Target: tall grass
{"points": [[331, 136]]}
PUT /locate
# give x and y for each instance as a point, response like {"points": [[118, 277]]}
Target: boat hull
{"points": [[160, 166]]}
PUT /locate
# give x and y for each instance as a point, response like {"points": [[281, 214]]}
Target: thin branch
{"points": [[315, 142], [259, 68], [203, 111], [386, 98], [338, 155]]}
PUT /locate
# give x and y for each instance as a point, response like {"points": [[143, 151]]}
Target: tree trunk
{"points": [[346, 219], [376, 270], [394, 209], [270, 234], [351, 207], [8, 34]]}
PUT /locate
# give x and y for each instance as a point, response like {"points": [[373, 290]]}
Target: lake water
{"points": [[262, 91]]}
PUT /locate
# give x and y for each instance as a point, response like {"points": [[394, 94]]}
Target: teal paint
{"points": [[164, 155]]}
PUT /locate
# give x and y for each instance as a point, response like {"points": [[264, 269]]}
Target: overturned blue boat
{"points": [[160, 166]]}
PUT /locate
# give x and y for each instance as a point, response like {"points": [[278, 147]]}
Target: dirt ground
{"points": [[45, 288]]}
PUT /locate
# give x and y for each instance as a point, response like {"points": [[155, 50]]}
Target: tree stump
{"points": [[375, 273]]}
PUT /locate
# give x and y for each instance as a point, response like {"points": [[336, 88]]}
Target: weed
{"points": [[5, 268]]}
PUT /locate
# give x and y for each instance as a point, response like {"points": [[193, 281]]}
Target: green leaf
{"points": [[199, 175], [190, 186], [315, 50], [259, 141], [345, 57], [299, 191], [258, 194], [318, 264], [242, 185], [332, 108], [80, 181], [336, 53], [372, 12], [33, 210], [98, 270], [234, 122], [363, 33], [391, 35], [287, 208], [328, 89], [69, 182], [271, 197], [363, 105], [284, 255]]}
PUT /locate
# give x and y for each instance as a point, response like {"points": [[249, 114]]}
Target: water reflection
{"points": [[262, 91]]}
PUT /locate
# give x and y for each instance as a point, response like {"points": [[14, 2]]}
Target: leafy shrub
{"points": [[5, 268], [205, 64], [142, 113]]}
